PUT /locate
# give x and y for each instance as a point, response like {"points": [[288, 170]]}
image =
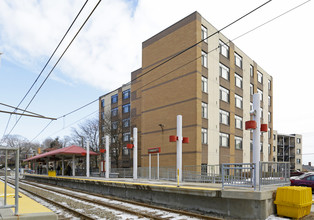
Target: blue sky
{"points": [[109, 48]]}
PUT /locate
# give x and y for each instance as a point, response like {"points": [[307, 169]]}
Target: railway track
{"points": [[125, 206]]}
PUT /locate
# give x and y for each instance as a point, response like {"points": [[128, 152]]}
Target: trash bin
{"points": [[293, 201]]}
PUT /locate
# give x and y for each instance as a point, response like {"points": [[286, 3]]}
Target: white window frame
{"points": [[224, 140], [269, 133], [126, 136], [223, 91], [259, 77], [251, 106], [269, 85], [114, 125], [204, 136], [204, 84], [238, 80], [238, 122], [126, 122], [238, 142], [251, 71], [261, 93], [269, 117], [204, 110], [224, 117], [269, 101], [224, 71], [126, 94], [114, 112], [251, 89], [204, 33], [126, 108], [224, 49], [238, 101], [238, 60], [204, 59]]}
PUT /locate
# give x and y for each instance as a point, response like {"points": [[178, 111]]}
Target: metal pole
{"points": [[87, 159], [17, 163], [62, 166], [179, 146], [158, 166], [73, 165], [257, 134], [150, 167], [222, 175], [5, 177], [107, 156], [135, 153]]}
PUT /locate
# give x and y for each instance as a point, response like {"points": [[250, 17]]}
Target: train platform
{"points": [[28, 208], [198, 197]]}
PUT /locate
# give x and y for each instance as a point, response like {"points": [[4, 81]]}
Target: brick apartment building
{"points": [[288, 148], [210, 85]]}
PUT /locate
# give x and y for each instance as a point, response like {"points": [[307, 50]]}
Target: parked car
{"points": [[306, 179], [296, 173]]}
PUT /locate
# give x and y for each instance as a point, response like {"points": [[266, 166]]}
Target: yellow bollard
{"points": [[178, 179]]}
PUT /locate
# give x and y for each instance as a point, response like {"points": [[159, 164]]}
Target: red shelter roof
{"points": [[76, 150]]}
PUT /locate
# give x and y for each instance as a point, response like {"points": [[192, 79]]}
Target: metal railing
{"points": [[16, 195], [239, 175], [274, 173]]}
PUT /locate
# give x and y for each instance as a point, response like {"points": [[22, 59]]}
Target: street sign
{"points": [[154, 150]]}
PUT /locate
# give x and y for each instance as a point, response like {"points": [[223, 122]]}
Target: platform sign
{"points": [[154, 150]]}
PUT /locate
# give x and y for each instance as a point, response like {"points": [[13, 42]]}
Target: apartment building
{"points": [[288, 148], [115, 120], [210, 84]]}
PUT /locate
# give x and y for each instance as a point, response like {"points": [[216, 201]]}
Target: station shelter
{"points": [[69, 161]]}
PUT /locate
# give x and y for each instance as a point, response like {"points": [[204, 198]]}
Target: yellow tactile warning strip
{"points": [[26, 204], [135, 183]]}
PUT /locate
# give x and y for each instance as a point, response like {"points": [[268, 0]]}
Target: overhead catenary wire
{"points": [[41, 72], [177, 54], [57, 62]]}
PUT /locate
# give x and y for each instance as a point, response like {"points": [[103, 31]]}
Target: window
{"points": [[224, 49], [102, 103], [114, 112], [224, 117], [269, 101], [126, 136], [251, 71], [126, 94], [114, 98], [204, 33], [204, 110], [261, 112], [238, 60], [126, 122], [274, 148], [298, 140], [126, 108], [204, 84], [251, 106], [204, 59], [269, 85], [298, 161], [251, 145], [238, 122], [114, 125], [274, 158], [269, 149], [224, 94], [261, 93], [204, 136], [125, 151], [298, 151], [269, 133], [274, 137], [238, 101], [261, 147], [259, 77], [238, 80], [238, 143], [224, 139], [224, 71], [269, 117], [102, 115], [251, 89]]}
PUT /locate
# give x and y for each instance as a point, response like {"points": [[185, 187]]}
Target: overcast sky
{"points": [[109, 48]]}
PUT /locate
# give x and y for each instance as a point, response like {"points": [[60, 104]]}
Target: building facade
{"points": [[288, 148], [210, 84]]}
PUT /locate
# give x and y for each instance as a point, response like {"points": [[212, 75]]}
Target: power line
{"points": [[58, 61], [23, 114], [46, 64], [181, 52], [16, 108]]}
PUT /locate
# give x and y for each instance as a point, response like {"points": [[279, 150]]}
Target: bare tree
{"points": [[87, 131], [112, 125]]}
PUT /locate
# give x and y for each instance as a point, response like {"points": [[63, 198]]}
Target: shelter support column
{"points": [[62, 167], [73, 165]]}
